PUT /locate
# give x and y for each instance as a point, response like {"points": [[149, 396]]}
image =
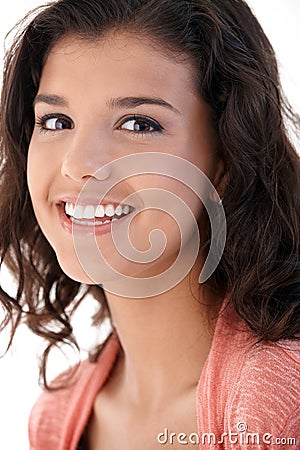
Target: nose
{"points": [[86, 157]]}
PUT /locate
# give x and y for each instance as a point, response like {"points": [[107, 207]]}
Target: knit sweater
{"points": [[248, 396]]}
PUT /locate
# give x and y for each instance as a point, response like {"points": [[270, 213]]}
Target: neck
{"points": [[165, 340]]}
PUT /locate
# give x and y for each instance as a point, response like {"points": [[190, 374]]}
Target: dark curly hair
{"points": [[236, 74]]}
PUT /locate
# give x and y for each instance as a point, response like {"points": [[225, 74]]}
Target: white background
{"points": [[18, 369]]}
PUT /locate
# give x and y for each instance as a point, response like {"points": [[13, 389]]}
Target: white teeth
{"points": [[89, 212], [93, 212], [126, 209], [100, 211], [69, 208], [109, 210], [119, 210], [78, 212], [92, 223]]}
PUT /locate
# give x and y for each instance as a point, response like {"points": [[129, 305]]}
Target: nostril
{"points": [[103, 172], [78, 170]]}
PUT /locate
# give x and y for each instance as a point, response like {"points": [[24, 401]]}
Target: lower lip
{"points": [[97, 230]]}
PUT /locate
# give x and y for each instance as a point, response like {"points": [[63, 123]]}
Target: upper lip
{"points": [[85, 201]]}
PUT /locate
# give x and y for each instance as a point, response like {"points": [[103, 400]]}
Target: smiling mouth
{"points": [[94, 215]]}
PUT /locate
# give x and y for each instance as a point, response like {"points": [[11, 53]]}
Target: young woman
{"points": [[127, 117]]}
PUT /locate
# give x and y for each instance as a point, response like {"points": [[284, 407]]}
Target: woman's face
{"points": [[88, 95]]}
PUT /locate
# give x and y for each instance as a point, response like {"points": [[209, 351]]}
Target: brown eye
{"points": [[59, 123], [54, 122], [141, 125], [138, 125]]}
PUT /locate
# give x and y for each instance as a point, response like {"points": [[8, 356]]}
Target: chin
{"points": [[74, 271]]}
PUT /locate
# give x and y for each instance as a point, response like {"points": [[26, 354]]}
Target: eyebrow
{"points": [[50, 100], [112, 103], [133, 102]]}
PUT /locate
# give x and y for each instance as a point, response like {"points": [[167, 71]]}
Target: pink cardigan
{"points": [[248, 396]]}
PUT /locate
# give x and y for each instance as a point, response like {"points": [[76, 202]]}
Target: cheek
{"points": [[39, 175], [170, 207], [33, 174], [41, 167]]}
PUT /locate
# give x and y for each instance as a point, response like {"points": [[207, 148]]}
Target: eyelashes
{"points": [[135, 119], [61, 120], [53, 123]]}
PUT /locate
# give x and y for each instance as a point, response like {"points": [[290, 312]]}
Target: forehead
{"points": [[118, 62]]}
